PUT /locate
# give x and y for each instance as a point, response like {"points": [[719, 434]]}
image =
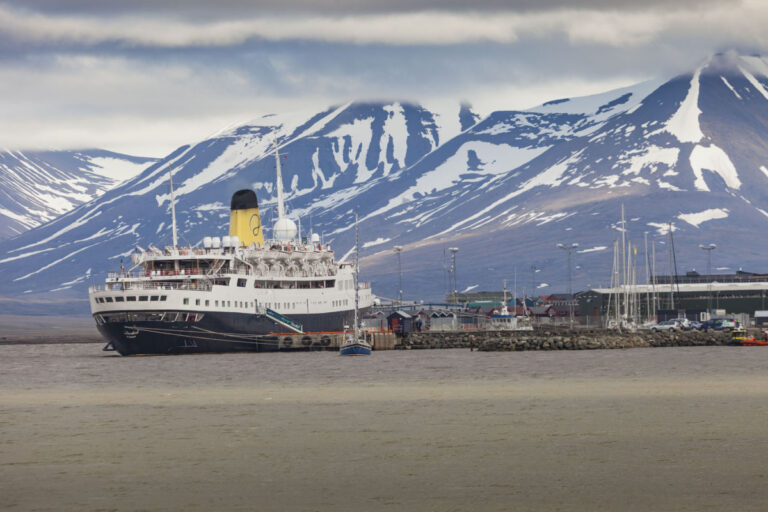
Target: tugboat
{"points": [[237, 293], [356, 346]]}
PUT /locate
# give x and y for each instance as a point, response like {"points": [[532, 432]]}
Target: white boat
{"points": [[356, 345], [504, 320], [235, 293]]}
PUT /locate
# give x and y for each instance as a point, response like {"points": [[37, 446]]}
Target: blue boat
{"points": [[353, 347], [356, 345]]}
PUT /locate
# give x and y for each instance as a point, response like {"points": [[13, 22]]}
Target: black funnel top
{"points": [[244, 200]]}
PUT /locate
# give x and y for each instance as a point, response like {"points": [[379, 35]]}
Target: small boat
{"points": [[355, 345], [739, 338], [504, 320]]}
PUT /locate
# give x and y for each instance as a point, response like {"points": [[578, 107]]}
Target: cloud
{"points": [[429, 27], [247, 8], [144, 76]]}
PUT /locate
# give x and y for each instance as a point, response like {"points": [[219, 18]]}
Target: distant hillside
{"points": [[38, 186]]}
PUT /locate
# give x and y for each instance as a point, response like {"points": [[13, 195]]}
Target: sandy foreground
{"points": [[575, 444]]}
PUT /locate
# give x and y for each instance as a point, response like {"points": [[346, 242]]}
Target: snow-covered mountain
{"points": [[505, 190], [37, 186]]}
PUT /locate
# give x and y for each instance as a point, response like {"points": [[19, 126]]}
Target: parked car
{"points": [[694, 325], [719, 324], [667, 325]]}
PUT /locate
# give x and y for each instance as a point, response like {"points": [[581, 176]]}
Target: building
{"points": [[740, 293]]}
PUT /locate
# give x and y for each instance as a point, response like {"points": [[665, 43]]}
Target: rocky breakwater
{"points": [[561, 339]]}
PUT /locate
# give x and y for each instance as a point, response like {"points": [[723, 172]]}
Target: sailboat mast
{"points": [[671, 271], [653, 278], [357, 281], [647, 281], [173, 210]]}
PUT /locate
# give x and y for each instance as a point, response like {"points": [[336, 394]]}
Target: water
{"points": [[641, 429]]}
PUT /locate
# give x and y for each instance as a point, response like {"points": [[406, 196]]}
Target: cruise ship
{"points": [[238, 292]]}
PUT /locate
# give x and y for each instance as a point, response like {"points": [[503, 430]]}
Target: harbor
{"points": [[674, 429]]}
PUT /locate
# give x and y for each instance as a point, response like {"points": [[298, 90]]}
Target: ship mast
{"points": [[279, 184], [284, 228], [504, 304], [173, 210]]}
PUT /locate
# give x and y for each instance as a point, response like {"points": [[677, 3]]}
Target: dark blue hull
{"points": [[193, 333], [355, 349]]}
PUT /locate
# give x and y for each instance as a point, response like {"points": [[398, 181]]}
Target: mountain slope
{"points": [[504, 190], [38, 186], [335, 153]]}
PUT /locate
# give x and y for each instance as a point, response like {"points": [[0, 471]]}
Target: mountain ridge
{"points": [[504, 189]]}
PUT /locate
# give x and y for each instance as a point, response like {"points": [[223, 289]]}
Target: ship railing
{"points": [[153, 285]]}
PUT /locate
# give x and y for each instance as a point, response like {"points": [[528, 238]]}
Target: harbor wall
{"points": [[560, 339], [332, 341]]}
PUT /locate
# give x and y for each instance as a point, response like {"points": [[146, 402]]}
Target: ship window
{"points": [[197, 302], [109, 299], [229, 303], [143, 298], [119, 299], [207, 302], [186, 301], [216, 303], [163, 297], [154, 297], [131, 298], [241, 283]]}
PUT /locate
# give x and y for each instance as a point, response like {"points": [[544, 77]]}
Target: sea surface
{"points": [[640, 429]]}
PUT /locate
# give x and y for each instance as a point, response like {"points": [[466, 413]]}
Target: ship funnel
{"points": [[244, 218]]}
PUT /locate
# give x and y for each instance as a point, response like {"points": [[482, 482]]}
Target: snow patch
{"points": [[752, 80], [207, 207], [694, 219], [684, 124], [593, 249], [117, 169], [727, 84], [713, 159], [649, 158], [378, 241]]}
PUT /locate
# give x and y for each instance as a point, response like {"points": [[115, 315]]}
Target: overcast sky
{"points": [[146, 76]]}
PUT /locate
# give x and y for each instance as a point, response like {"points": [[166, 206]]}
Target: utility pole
{"points": [[709, 248], [398, 249]]}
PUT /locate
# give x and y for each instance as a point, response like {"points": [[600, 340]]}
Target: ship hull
{"points": [[215, 332]]}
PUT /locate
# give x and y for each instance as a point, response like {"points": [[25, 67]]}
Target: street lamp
{"points": [[454, 250], [569, 249], [398, 249], [709, 248]]}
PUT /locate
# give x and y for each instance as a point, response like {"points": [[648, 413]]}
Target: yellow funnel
{"points": [[244, 218]]}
